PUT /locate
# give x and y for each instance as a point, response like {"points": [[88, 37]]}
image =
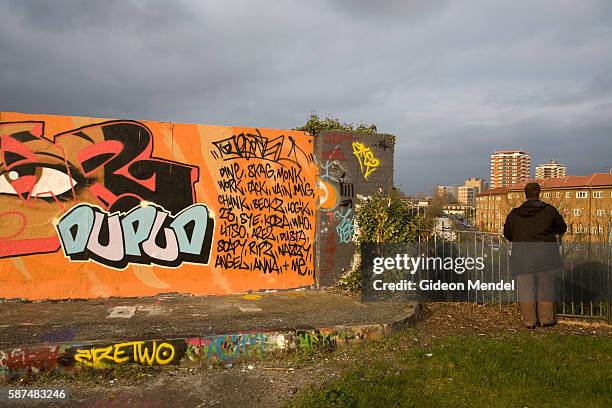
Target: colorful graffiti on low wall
{"points": [[184, 352], [351, 165], [97, 208]]}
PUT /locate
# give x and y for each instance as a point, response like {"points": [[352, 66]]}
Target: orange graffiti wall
{"points": [[102, 207]]}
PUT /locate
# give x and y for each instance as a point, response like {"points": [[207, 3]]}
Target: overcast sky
{"points": [[452, 80]]}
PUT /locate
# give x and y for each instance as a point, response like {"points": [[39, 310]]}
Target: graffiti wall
{"points": [[98, 208], [186, 352], [351, 165]]}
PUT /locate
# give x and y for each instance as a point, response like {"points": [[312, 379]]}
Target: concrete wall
{"points": [[98, 207], [351, 165], [184, 352]]}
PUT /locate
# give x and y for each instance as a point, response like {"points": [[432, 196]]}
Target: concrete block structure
{"points": [[105, 207]]}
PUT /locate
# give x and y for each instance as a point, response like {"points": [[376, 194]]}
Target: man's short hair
{"points": [[532, 190]]}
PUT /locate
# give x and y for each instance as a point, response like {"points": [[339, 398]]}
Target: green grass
{"points": [[521, 371]]}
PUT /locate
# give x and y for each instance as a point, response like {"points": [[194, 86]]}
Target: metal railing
{"points": [[583, 287]]}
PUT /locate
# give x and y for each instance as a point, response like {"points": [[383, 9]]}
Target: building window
{"points": [[547, 195], [558, 194], [601, 213], [581, 194], [597, 194], [568, 195], [577, 212]]}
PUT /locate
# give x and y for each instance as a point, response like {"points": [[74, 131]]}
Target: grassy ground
{"points": [[482, 367], [457, 355]]}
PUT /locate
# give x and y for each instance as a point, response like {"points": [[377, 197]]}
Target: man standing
{"points": [[533, 229]]}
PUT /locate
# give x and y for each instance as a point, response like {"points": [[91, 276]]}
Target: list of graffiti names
{"points": [[266, 218]]}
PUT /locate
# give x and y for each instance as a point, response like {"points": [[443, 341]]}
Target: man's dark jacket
{"points": [[532, 228]]}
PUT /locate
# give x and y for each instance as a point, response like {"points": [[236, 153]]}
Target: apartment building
{"points": [[467, 195], [552, 169], [459, 209], [585, 202], [479, 183], [509, 167], [447, 193]]}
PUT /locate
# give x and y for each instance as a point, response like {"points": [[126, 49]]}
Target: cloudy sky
{"points": [[452, 80]]}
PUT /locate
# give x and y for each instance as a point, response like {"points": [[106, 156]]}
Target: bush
{"points": [[383, 218], [315, 124]]}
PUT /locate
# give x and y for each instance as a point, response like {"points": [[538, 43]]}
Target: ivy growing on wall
{"points": [[315, 124], [384, 218]]}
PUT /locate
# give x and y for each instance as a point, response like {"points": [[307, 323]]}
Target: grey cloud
{"points": [[382, 12], [453, 80], [111, 15]]}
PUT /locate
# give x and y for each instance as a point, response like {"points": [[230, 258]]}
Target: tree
{"points": [[435, 208], [314, 124], [387, 218]]}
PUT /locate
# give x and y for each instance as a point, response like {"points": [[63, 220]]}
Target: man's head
{"points": [[532, 190]]}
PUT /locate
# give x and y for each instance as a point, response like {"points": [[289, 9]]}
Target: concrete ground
{"points": [[268, 382], [172, 316]]}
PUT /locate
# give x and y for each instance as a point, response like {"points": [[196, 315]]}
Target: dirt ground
{"points": [[274, 383]]}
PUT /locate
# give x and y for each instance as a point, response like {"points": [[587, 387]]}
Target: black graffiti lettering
{"points": [[232, 185], [268, 197], [281, 149], [233, 230], [257, 187], [293, 236], [298, 265], [261, 248], [346, 189], [384, 144], [234, 201], [348, 203], [294, 249], [282, 190], [266, 265], [231, 171], [227, 214], [228, 261], [260, 170], [265, 233], [299, 208], [265, 203], [230, 245], [303, 189], [274, 220], [301, 222], [290, 174], [250, 219]]}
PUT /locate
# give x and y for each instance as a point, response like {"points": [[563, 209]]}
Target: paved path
{"points": [[183, 316]]}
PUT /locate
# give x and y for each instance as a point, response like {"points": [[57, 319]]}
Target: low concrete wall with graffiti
{"points": [[351, 165], [102, 207], [195, 351]]}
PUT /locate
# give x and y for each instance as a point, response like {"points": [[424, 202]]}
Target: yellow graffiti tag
{"points": [[366, 158], [136, 352]]}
